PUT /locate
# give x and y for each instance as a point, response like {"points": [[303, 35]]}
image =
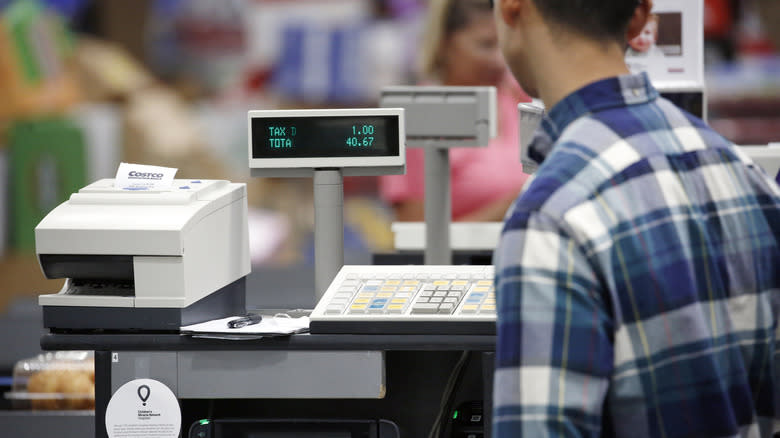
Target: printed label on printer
{"points": [[144, 177]]}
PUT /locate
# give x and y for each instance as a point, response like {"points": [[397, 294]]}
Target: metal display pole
{"points": [[328, 228], [438, 210]]}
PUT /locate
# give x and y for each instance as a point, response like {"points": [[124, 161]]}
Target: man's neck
{"points": [[569, 65]]}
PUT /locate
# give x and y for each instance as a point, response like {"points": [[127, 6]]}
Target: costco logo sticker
{"points": [[144, 175]]}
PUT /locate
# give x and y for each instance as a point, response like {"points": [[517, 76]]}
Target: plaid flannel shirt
{"points": [[638, 278]]}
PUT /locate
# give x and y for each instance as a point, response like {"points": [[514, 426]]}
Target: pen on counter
{"points": [[249, 319]]}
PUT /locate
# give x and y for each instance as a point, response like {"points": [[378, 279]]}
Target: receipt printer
{"points": [[150, 260]]}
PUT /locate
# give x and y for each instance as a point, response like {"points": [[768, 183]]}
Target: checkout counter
{"points": [[343, 384], [312, 384]]}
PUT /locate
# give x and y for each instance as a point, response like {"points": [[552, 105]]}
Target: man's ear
{"points": [[638, 21], [509, 10]]}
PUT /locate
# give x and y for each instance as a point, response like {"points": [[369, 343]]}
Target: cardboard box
{"points": [[20, 275]]}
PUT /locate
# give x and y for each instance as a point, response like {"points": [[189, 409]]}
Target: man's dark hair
{"points": [[602, 20]]}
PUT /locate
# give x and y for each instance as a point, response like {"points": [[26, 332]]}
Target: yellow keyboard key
{"points": [[489, 307], [384, 295], [362, 301], [399, 300], [441, 283], [395, 306], [358, 307], [481, 289], [460, 283], [393, 282], [411, 283], [485, 282], [470, 307], [389, 288]]}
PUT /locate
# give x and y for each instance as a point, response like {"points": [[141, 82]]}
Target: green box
{"points": [[47, 162]]}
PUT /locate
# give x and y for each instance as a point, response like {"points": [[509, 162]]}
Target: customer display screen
{"points": [[331, 136]]}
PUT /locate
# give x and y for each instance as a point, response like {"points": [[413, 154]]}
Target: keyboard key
{"points": [[403, 294], [362, 300], [481, 289], [373, 282], [399, 300], [393, 282], [411, 283], [334, 310], [460, 283], [444, 288], [454, 294], [389, 288], [425, 308], [384, 295], [436, 300], [422, 300], [458, 288], [440, 293], [426, 293], [451, 300], [441, 283], [350, 283], [407, 289], [395, 308], [446, 308], [485, 283], [469, 308], [370, 288], [366, 294]]}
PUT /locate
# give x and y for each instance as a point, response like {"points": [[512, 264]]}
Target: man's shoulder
{"points": [[606, 149]]}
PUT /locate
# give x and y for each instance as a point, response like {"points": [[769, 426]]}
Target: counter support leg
{"points": [[102, 391]]}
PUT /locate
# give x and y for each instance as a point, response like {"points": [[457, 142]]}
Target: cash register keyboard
{"points": [[408, 299]]}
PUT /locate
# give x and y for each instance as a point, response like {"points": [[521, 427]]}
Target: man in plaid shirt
{"points": [[638, 274]]}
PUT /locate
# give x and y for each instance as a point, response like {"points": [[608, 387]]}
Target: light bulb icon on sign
{"points": [[143, 393]]}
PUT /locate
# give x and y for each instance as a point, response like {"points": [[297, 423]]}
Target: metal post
{"points": [[328, 228], [438, 211]]}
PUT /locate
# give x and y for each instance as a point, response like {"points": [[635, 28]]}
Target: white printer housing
{"points": [[174, 248]]}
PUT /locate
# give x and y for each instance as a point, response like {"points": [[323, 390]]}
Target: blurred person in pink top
{"points": [[461, 49]]}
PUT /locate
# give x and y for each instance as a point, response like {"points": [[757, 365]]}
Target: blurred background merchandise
{"points": [[85, 84]]}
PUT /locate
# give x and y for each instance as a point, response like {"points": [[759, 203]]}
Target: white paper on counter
{"points": [[276, 325]]}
